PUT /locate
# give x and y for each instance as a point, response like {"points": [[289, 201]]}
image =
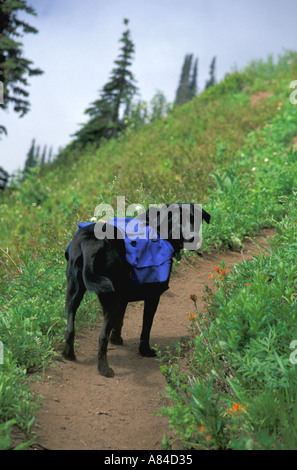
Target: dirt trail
{"points": [[84, 411]]}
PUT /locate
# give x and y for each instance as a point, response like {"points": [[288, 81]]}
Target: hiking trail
{"points": [[82, 410]]}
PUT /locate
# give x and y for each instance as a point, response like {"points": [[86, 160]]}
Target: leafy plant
{"points": [[240, 354]]}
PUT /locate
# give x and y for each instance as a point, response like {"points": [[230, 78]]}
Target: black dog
{"points": [[100, 266]]}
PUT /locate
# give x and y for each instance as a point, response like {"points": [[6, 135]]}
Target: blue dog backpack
{"points": [[149, 256]]}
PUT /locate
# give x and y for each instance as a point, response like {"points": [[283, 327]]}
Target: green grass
{"points": [[240, 392], [165, 161], [240, 356], [218, 150]]}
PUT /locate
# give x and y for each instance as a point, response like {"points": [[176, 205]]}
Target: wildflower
{"points": [[254, 168], [224, 271], [266, 160], [217, 268], [236, 408], [210, 276], [193, 297], [192, 315], [208, 437], [201, 428], [248, 284]]}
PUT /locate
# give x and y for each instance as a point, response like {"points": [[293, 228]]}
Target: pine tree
{"points": [[31, 160], [43, 156], [187, 87], [183, 87], [3, 179], [159, 106], [50, 155], [193, 87], [14, 68], [121, 87], [212, 71], [105, 112]]}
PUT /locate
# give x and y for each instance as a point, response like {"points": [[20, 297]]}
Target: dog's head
{"points": [[178, 223]]}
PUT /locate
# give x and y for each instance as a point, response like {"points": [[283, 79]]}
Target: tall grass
{"points": [[217, 149], [240, 392]]}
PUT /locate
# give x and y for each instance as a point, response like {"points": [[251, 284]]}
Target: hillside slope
{"points": [[231, 148], [169, 160]]}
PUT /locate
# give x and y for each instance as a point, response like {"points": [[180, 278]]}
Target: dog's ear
{"points": [[206, 216]]}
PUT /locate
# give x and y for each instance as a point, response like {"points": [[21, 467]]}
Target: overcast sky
{"points": [[77, 44]]}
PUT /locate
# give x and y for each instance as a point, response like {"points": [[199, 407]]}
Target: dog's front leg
{"points": [[150, 307], [116, 337]]}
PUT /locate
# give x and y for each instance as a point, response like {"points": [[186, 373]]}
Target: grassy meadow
{"points": [[231, 149]]}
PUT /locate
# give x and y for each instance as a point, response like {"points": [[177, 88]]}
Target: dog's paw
{"points": [[146, 351], [106, 372], [116, 339], [69, 354]]}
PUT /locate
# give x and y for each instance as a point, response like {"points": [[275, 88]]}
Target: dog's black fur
{"points": [[100, 266]]}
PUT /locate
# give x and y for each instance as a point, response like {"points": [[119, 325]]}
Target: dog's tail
{"points": [[93, 280]]}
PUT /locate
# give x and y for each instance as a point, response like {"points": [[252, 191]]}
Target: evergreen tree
{"points": [[140, 113], [121, 87], [50, 155], [14, 68], [159, 106], [43, 156], [3, 179], [187, 87], [32, 158], [183, 87], [136, 115], [193, 87], [105, 112], [212, 72]]}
